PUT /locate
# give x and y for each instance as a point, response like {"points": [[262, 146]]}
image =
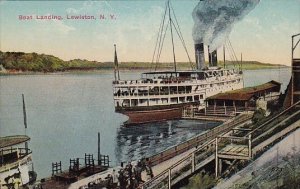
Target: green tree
{"points": [[201, 181], [258, 115]]}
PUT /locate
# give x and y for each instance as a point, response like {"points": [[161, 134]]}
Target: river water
{"points": [[65, 112]]}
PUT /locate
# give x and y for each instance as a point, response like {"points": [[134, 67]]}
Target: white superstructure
{"points": [[169, 88]]}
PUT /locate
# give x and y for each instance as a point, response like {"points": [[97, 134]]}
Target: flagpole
{"points": [[24, 113], [25, 121], [115, 64]]}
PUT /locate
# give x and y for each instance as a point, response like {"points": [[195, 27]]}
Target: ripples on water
{"points": [[135, 142]]}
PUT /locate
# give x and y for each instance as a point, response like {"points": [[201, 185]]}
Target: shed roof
{"points": [[245, 93]]}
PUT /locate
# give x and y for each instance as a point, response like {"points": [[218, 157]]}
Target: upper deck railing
{"points": [[11, 155], [174, 81]]}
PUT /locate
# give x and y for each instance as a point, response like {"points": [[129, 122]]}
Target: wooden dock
{"points": [[239, 144]]}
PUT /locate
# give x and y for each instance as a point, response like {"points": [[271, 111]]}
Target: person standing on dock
{"points": [[149, 171], [122, 179], [115, 178], [138, 172], [109, 179]]}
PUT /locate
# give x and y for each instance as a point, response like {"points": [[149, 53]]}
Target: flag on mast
{"points": [[116, 65]]}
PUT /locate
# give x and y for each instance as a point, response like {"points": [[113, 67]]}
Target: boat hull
{"points": [[152, 114], [140, 117]]}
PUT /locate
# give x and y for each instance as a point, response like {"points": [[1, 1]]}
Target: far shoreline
{"points": [[95, 71]]}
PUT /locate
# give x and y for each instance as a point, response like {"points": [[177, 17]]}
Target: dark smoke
{"points": [[214, 19]]}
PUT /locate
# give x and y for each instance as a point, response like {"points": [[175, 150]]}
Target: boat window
{"points": [[164, 100], [142, 101], [134, 102], [189, 98], [174, 100], [188, 88]]}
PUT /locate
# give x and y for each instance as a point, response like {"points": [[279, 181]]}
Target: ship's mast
{"points": [[224, 56], [164, 27], [171, 29]]}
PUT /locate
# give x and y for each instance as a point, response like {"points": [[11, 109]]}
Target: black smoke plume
{"points": [[214, 19]]}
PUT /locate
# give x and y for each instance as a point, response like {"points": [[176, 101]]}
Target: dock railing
{"points": [[182, 168], [275, 119], [203, 153]]}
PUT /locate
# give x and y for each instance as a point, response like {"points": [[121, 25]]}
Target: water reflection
{"points": [[139, 141]]}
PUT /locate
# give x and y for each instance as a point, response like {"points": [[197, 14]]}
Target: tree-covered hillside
{"points": [[33, 62]]}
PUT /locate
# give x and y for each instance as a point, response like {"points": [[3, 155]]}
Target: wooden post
{"points": [[205, 105], [216, 158], [193, 162], [2, 159], [214, 106], [169, 179], [169, 93], [99, 152], [292, 76], [220, 167], [234, 107], [250, 147]]}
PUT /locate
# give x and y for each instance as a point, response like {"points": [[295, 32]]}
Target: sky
{"points": [[262, 35]]}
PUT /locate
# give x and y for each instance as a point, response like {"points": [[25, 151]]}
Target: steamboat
{"points": [[162, 95]]}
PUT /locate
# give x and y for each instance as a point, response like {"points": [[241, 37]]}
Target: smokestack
{"points": [[199, 53], [213, 58]]}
